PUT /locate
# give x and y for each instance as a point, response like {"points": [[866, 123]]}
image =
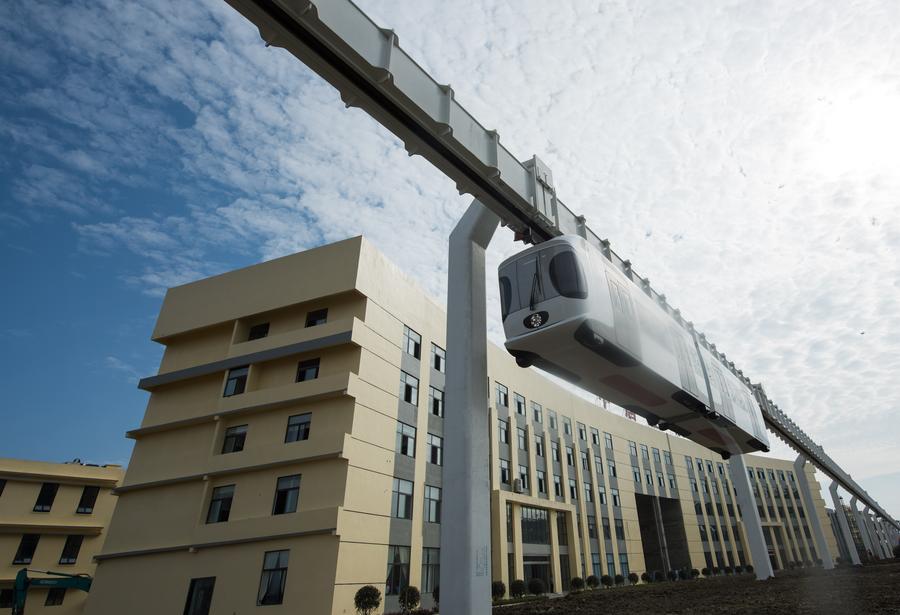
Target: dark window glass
{"points": [[71, 549], [567, 277], [257, 332], [45, 497], [237, 381], [412, 342], [234, 439], [409, 388], [432, 504], [431, 569], [317, 317], [298, 427], [406, 440], [436, 398], [505, 296], [27, 546], [2, 485], [6, 599], [307, 370], [402, 499], [435, 449], [397, 570], [620, 529], [88, 500], [274, 576], [220, 504], [287, 494], [438, 358], [55, 596], [199, 596], [535, 526]]}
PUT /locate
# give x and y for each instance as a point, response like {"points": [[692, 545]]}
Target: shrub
{"points": [[436, 594], [517, 588], [684, 574], [738, 569], [673, 575], [409, 598], [633, 578], [592, 581], [367, 599], [536, 586], [728, 570], [498, 590], [658, 576], [695, 573], [749, 568], [645, 577], [606, 580], [577, 584], [716, 570], [619, 579]]}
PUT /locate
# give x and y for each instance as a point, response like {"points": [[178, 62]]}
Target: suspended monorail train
{"points": [[569, 311]]}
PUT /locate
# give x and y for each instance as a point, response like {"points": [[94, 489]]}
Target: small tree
{"points": [[498, 590], [645, 577], [536, 586], [367, 599], [409, 598], [632, 578], [694, 573], [705, 572], [606, 580], [577, 584], [619, 579], [592, 581], [517, 588]]}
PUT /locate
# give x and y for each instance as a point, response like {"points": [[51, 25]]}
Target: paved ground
{"points": [[871, 590]]}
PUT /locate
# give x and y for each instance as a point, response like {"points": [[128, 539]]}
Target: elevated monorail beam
{"points": [[365, 63]]}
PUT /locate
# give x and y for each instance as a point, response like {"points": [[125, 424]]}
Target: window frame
{"points": [[412, 343], [88, 500], [236, 381], [237, 439], [268, 572], [46, 497], [223, 495], [438, 358], [298, 421], [191, 607], [316, 318], [305, 366], [71, 549], [283, 495]]}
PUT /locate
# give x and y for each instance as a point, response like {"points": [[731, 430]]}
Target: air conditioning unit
{"points": [[517, 485]]}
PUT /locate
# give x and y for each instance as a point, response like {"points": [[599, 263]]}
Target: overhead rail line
{"points": [[365, 63]]}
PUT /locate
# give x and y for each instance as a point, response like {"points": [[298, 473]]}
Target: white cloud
{"points": [[733, 153]]}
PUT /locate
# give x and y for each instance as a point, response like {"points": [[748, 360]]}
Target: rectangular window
{"points": [[602, 491], [432, 504], [274, 576], [397, 570], [610, 565], [608, 439], [573, 489], [555, 447], [539, 446], [667, 458], [644, 453], [435, 449], [615, 497], [567, 426], [199, 597], [552, 416], [623, 564], [519, 403], [592, 526], [588, 492], [406, 440], [502, 396], [234, 439], [672, 481], [607, 533], [307, 370], [523, 439], [656, 455], [287, 495], [570, 456], [412, 342], [431, 568], [504, 471], [659, 479], [582, 431], [436, 401], [45, 497], [27, 546], [298, 427], [538, 412], [55, 596], [612, 469], [503, 431], [620, 529], [402, 499], [317, 317], [585, 464], [598, 465], [70, 550], [694, 485], [236, 381], [632, 448], [88, 500], [257, 332], [523, 477], [220, 504], [649, 478], [541, 481], [438, 358], [2, 485], [557, 486], [636, 473], [595, 436], [409, 388]]}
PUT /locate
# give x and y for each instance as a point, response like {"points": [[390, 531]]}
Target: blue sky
{"points": [[742, 155]]}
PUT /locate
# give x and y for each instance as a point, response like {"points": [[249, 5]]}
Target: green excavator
{"points": [[24, 582]]}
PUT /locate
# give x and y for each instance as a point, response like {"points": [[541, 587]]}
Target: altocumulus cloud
{"points": [[738, 153]]}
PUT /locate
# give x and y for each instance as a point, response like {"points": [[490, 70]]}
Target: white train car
{"points": [[569, 311]]}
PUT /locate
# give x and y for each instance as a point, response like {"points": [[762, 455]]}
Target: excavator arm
{"points": [[59, 579]]}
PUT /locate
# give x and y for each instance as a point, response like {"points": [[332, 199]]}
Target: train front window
{"points": [[505, 294], [566, 275], [528, 280]]}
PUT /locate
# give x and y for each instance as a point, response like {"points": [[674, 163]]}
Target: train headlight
{"points": [[533, 321]]}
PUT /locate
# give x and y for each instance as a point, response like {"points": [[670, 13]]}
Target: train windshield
{"points": [[539, 276]]}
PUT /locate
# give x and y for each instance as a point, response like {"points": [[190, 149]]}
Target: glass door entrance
{"points": [[538, 567]]}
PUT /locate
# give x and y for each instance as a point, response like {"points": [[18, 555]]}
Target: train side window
{"points": [[566, 275], [505, 296]]}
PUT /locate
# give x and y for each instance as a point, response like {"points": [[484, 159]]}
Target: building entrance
{"points": [[538, 567]]}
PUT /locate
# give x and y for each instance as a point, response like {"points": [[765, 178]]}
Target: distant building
{"points": [[53, 516], [292, 447]]}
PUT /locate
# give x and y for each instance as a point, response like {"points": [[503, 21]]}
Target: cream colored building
{"points": [[291, 452], [53, 516]]}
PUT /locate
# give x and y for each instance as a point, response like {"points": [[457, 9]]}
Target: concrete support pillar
{"points": [[762, 566], [812, 513], [842, 522], [873, 537], [861, 526], [554, 554], [466, 522]]}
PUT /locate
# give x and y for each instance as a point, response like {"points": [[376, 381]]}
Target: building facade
{"points": [[53, 516], [292, 446]]}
